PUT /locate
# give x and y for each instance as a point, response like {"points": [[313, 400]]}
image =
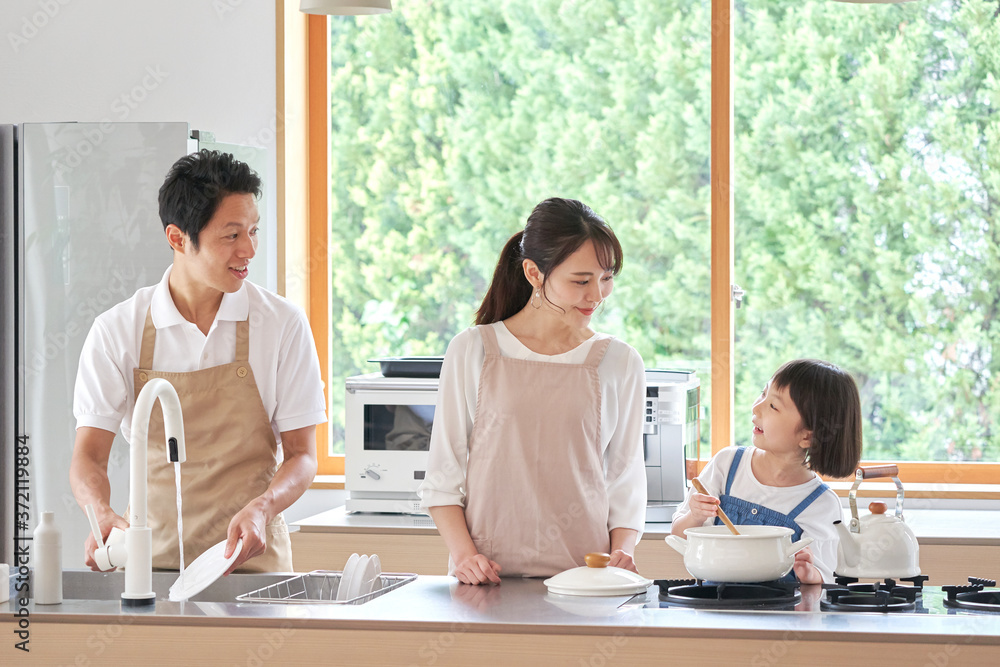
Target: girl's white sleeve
{"points": [[625, 467], [454, 410]]}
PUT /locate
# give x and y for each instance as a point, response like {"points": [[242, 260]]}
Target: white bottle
{"points": [[46, 580]]}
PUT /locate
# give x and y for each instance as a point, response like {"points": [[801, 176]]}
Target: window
{"points": [[450, 121], [866, 214], [864, 207]]}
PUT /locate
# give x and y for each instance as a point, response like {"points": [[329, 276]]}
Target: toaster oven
{"points": [[387, 441]]}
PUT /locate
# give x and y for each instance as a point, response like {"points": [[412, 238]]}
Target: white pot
{"points": [[758, 553]]}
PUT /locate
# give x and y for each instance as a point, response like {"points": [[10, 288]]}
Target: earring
{"points": [[538, 295]]}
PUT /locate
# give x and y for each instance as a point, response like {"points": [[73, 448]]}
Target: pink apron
{"points": [[536, 496]]}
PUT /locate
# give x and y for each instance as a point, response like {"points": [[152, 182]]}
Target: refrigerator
{"points": [[79, 233]]}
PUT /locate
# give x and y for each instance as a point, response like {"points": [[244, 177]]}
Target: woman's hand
{"points": [[477, 569], [804, 569], [624, 560]]}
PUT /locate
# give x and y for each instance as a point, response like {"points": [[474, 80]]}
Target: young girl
{"points": [[806, 421], [536, 451]]}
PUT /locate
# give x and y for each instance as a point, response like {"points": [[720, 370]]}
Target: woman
{"points": [[536, 451]]}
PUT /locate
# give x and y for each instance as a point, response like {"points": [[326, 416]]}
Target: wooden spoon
{"points": [[700, 488]]}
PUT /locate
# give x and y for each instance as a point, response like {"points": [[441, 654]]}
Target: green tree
{"points": [[866, 187]]}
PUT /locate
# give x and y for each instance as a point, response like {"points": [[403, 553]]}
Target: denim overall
{"points": [[744, 512]]}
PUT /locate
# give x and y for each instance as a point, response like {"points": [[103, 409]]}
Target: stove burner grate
{"points": [[764, 595], [852, 584], [875, 600], [973, 596]]}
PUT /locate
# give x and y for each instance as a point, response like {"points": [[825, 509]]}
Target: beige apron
{"points": [[231, 458], [536, 496]]}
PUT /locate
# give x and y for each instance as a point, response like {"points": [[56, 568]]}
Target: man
{"points": [[243, 363]]}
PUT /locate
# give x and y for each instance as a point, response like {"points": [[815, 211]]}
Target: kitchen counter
{"points": [[436, 620]]}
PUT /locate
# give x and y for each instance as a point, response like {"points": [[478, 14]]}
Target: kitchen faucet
{"points": [[138, 536]]}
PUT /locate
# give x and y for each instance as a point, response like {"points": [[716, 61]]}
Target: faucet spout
{"points": [[138, 536]]}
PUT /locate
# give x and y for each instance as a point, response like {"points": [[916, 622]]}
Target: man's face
{"points": [[225, 246]]}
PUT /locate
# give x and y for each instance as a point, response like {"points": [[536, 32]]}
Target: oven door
{"points": [[387, 442]]}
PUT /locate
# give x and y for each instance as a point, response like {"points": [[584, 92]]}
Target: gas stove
{"points": [[907, 596]]}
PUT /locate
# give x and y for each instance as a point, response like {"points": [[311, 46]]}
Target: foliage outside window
{"points": [[450, 121], [867, 143], [865, 174]]}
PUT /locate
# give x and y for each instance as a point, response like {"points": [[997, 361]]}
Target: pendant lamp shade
{"points": [[345, 7]]}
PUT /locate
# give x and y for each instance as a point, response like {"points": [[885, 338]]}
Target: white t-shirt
{"points": [[623, 391], [816, 520], [282, 356]]}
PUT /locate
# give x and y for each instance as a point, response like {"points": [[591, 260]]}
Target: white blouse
{"points": [[623, 397]]}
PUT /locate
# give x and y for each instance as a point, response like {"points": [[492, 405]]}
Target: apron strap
{"points": [[489, 340], [817, 492], [243, 340], [148, 342], [596, 354], [733, 468]]}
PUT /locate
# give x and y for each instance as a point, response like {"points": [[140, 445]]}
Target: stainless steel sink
{"points": [[88, 585], [319, 587]]}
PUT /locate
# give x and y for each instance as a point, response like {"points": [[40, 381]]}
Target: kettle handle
{"points": [[872, 472]]}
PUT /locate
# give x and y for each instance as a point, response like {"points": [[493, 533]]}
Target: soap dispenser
{"points": [[46, 582]]}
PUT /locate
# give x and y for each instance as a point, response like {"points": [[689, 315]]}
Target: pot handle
{"points": [[796, 547], [678, 544]]}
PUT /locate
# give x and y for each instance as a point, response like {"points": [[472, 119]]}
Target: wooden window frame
{"points": [[315, 80]]}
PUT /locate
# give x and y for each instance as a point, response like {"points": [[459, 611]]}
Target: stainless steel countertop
{"points": [[441, 604], [969, 527]]}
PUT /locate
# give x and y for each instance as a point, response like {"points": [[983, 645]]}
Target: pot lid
{"points": [[597, 578]]}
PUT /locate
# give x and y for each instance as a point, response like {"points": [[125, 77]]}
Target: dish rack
{"points": [[320, 587]]}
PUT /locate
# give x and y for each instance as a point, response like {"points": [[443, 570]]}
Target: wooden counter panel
{"points": [[952, 564], [419, 554], [426, 554], [114, 645]]}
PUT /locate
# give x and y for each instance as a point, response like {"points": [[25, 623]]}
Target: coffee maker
{"points": [[671, 430]]}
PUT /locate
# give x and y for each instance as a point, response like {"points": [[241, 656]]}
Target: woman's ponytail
{"points": [[510, 290]]}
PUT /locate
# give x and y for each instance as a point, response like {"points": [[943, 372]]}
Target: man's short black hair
{"points": [[197, 184]]}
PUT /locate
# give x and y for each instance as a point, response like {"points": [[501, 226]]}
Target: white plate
{"points": [[345, 576], [357, 578], [370, 575], [205, 569]]}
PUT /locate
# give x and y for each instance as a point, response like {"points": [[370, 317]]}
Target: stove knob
{"points": [[371, 474]]}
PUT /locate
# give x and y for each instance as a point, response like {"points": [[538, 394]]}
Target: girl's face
{"points": [[575, 288], [777, 424]]}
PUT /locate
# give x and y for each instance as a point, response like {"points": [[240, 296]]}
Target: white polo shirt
{"points": [[282, 356]]}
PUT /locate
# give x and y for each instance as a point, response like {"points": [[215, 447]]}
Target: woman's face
{"points": [[575, 288]]}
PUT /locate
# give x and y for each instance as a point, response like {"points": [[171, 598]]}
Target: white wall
{"points": [[210, 63]]}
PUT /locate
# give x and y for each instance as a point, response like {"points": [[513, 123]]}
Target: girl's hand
{"points": [[804, 569], [623, 560], [477, 569], [703, 507]]}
